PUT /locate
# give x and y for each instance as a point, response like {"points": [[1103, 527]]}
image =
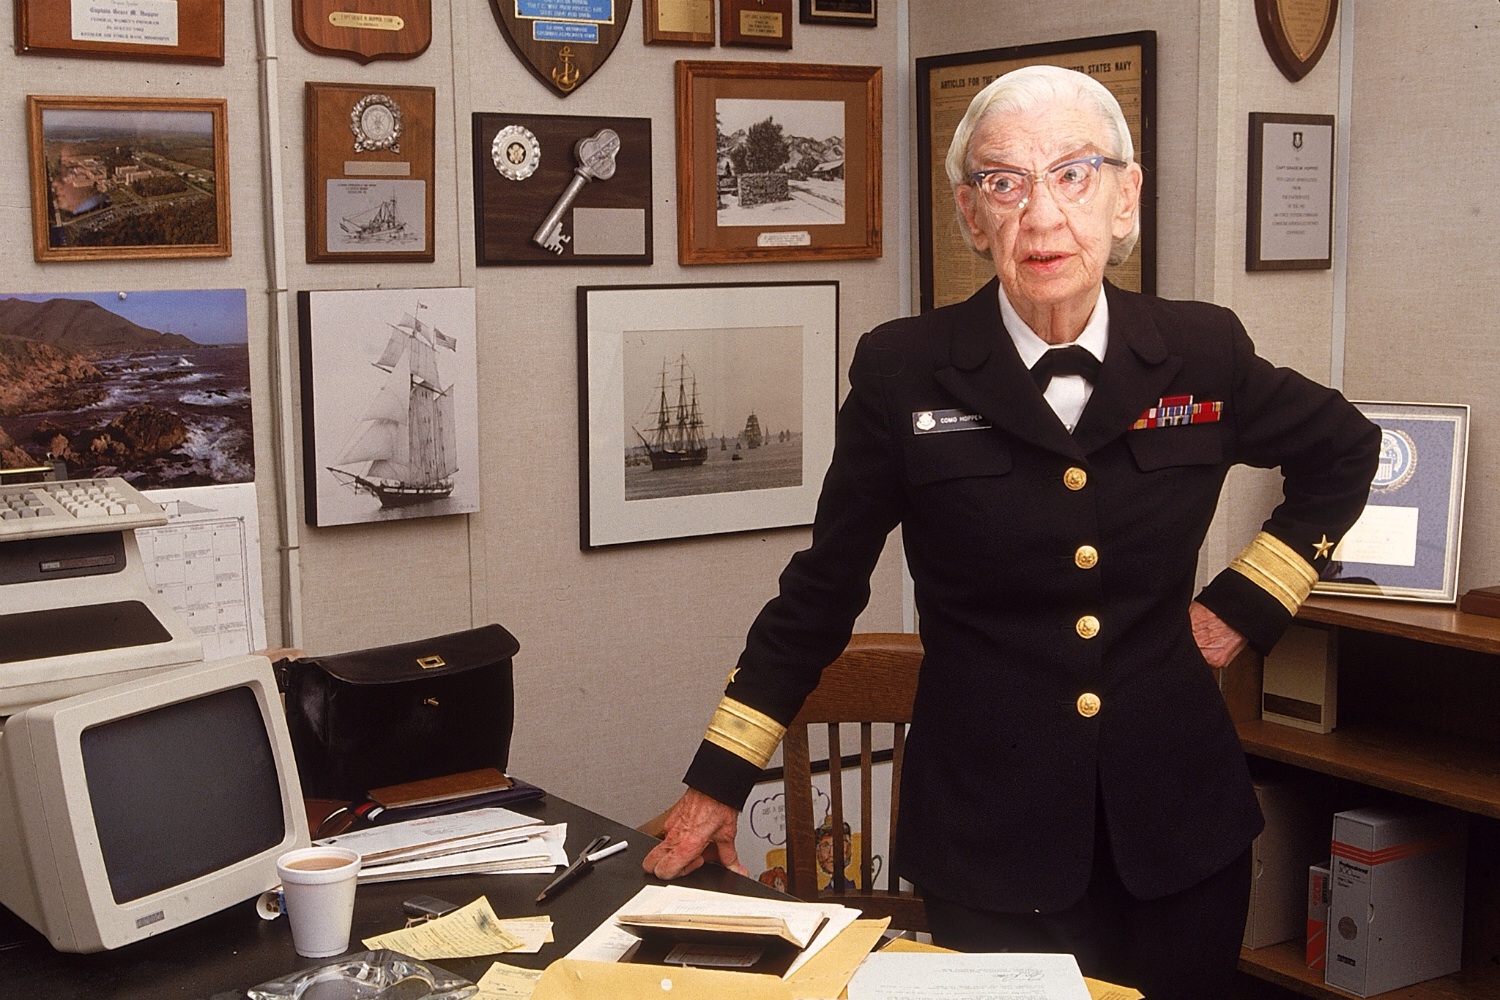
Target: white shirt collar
{"points": [[1094, 338]]}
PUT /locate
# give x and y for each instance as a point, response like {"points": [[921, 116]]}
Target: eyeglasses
{"points": [[1072, 182]]}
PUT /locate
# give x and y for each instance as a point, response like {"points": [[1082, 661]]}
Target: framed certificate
{"points": [[1289, 217], [1405, 545]]}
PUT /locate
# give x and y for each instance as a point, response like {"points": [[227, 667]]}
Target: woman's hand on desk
{"points": [[696, 829]]}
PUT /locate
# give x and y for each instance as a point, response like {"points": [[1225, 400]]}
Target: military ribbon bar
{"points": [[1170, 411]]}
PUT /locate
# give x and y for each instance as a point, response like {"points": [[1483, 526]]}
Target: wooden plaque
{"points": [[678, 22], [1296, 32], [369, 173], [757, 23], [364, 30], [608, 221], [189, 31], [562, 42]]}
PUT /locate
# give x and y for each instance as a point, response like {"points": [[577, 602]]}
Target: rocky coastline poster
{"points": [[151, 386]]}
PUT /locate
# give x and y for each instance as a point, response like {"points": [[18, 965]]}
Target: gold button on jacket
{"points": [[1086, 557], [1088, 704], [1075, 478], [1087, 627]]}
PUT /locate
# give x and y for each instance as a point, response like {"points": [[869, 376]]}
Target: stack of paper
{"points": [[480, 841], [613, 941]]}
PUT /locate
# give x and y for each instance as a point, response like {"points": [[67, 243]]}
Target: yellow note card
{"points": [[507, 982], [464, 933]]}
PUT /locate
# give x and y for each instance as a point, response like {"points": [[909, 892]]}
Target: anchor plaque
{"points": [[364, 30], [562, 42]]}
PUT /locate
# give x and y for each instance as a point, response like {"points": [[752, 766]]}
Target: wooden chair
{"points": [[872, 683]]}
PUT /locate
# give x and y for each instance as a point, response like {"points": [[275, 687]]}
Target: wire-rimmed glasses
{"points": [[1072, 181]]}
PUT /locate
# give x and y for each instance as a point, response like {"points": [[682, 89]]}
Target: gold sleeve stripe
{"points": [[1274, 567], [744, 732]]}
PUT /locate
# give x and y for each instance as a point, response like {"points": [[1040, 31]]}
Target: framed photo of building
{"points": [[946, 84], [126, 177], [390, 416], [704, 409], [777, 162], [190, 31], [1405, 545], [369, 173]]}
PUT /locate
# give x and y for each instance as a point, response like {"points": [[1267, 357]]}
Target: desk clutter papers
{"points": [[466, 933], [617, 939], [953, 976], [480, 841], [1098, 990], [507, 982]]}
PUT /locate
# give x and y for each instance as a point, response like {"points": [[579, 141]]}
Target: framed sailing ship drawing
{"points": [[369, 173], [693, 423], [390, 419]]}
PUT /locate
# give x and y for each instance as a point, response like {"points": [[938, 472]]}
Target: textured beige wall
{"points": [[1424, 231]]}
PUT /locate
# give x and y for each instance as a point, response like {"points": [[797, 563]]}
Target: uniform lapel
{"points": [[987, 374], [1137, 370]]}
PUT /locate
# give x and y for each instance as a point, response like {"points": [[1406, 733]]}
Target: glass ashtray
{"points": [[368, 975]]}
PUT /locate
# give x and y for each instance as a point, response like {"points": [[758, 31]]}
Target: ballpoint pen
{"points": [[579, 867]]}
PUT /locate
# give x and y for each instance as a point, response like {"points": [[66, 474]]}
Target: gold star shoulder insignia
{"points": [[1322, 547], [732, 672]]}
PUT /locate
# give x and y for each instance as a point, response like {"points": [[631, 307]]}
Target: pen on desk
{"points": [[579, 867], [614, 848]]}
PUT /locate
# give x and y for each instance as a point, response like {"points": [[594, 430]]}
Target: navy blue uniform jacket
{"points": [[1050, 567]]}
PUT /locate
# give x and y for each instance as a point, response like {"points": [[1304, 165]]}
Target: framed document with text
{"points": [[1405, 545], [187, 31], [1126, 64], [1289, 218]]}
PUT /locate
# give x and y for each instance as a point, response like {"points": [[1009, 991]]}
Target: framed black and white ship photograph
{"points": [[705, 408], [389, 409]]}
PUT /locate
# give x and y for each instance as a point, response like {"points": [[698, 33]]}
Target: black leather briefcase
{"points": [[392, 714]]}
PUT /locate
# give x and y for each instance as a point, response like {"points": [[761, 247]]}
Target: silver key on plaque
{"points": [[596, 162]]}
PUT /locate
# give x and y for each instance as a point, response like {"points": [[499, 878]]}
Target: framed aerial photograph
{"points": [[524, 164], [369, 173], [1125, 63], [777, 162], [856, 12], [704, 409], [1405, 545], [390, 415], [1289, 212], [189, 31], [125, 177]]}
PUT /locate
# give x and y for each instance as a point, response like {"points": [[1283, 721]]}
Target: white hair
{"points": [[1030, 88]]}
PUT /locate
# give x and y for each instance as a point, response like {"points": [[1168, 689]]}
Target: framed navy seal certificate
{"points": [[1405, 545]]}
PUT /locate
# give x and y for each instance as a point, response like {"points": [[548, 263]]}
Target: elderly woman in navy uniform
{"points": [[1054, 448]]}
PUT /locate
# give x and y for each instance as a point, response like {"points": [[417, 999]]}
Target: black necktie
{"points": [[1072, 360]]}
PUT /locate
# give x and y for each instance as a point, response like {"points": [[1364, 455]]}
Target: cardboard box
{"points": [[1299, 682], [1319, 889], [1396, 912], [1296, 835]]}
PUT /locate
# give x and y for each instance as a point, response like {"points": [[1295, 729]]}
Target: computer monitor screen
{"points": [[145, 805]]}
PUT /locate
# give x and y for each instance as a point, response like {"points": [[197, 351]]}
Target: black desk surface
{"points": [[222, 956]]}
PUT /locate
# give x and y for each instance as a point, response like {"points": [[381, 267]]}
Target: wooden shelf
{"points": [[1283, 965], [1435, 623], [1438, 769]]}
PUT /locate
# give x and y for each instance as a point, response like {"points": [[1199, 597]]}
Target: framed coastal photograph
{"points": [[777, 162], [390, 416], [370, 190], [126, 177], [149, 385], [190, 31], [1405, 546], [1125, 63], [693, 423]]}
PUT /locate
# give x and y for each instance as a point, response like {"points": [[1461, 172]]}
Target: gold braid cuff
{"points": [[1275, 567], [744, 732]]}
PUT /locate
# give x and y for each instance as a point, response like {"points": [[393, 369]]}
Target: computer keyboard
{"points": [[74, 506]]}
